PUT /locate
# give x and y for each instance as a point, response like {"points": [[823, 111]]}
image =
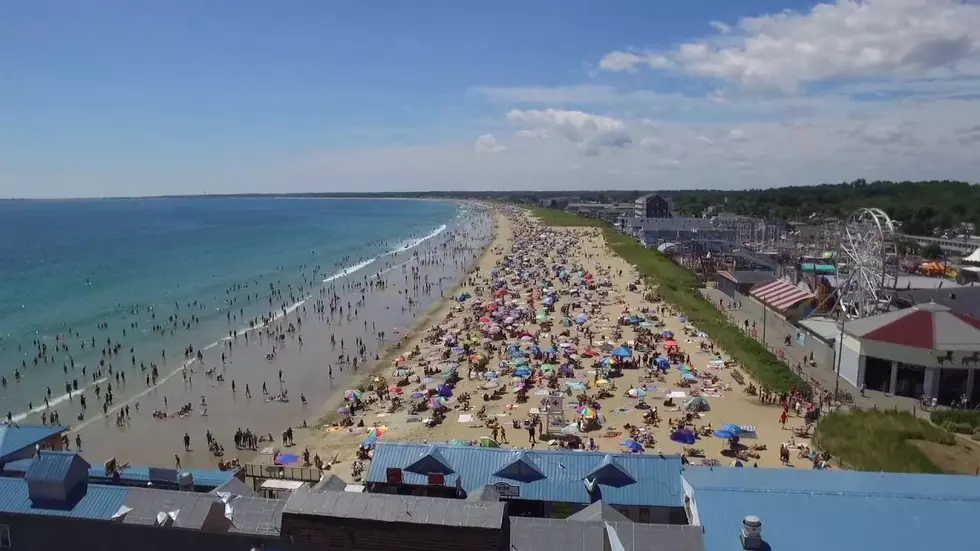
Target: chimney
{"points": [[751, 534], [185, 482]]}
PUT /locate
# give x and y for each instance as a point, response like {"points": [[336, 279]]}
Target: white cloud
{"points": [[842, 40], [650, 142], [486, 143], [536, 133], [737, 135], [590, 132]]}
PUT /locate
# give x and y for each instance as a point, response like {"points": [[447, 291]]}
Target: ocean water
{"points": [[81, 278]]}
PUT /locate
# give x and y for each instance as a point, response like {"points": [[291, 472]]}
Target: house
{"points": [[653, 206], [737, 284]]}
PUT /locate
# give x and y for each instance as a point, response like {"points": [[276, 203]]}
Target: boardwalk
{"points": [[776, 330]]}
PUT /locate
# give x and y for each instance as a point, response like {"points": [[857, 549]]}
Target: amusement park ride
{"points": [[867, 266]]}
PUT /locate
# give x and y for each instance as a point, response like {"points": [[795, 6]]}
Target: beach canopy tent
{"points": [[927, 326], [780, 295], [974, 257]]}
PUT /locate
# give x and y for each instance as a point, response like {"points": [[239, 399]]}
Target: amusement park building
{"points": [[926, 350]]}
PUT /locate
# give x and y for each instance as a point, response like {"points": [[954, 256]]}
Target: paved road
{"points": [[776, 329]]}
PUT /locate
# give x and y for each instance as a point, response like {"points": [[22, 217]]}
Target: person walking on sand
{"points": [[782, 419], [187, 442], [177, 461]]}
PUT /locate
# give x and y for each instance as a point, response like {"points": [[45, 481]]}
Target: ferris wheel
{"points": [[866, 263]]}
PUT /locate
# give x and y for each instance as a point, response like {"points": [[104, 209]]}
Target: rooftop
{"points": [[621, 479], [928, 326], [543, 534], [396, 508], [98, 503], [801, 510], [210, 478], [15, 438], [963, 300], [249, 515], [748, 276]]}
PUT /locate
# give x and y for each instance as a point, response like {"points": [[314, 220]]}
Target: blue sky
{"points": [[135, 98]]}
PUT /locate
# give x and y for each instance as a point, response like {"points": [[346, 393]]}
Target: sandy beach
{"points": [[277, 378], [577, 309]]}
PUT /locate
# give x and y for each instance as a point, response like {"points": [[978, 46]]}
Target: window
{"points": [[5, 536]]}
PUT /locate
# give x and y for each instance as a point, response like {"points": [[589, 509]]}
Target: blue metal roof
{"points": [[99, 502], [835, 481], [14, 438], [204, 478], [611, 473], [803, 510], [430, 461], [18, 467], [658, 482], [521, 468], [52, 466]]}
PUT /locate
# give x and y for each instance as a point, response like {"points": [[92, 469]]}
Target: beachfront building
{"points": [[738, 283], [653, 232], [810, 510], [790, 301], [926, 350], [493, 501], [544, 484]]}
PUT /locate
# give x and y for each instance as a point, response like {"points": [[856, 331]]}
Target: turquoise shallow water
{"points": [[91, 270]]}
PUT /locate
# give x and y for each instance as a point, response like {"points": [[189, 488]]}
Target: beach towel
{"points": [[465, 418]]}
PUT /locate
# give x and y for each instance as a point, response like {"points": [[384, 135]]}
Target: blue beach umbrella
{"points": [[622, 352], [633, 446]]}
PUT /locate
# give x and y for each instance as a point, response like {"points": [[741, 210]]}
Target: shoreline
{"points": [[143, 438], [328, 411], [523, 269]]}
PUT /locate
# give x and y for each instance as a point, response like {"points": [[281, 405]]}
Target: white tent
{"points": [[974, 257]]}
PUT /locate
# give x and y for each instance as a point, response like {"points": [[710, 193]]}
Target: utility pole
{"points": [[840, 352], [765, 311]]}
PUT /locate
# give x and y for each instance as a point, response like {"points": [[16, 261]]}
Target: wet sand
{"points": [[143, 439], [728, 400]]}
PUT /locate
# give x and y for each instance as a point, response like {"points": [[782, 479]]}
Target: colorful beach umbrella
{"points": [[586, 411], [351, 395], [637, 393], [438, 401]]}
